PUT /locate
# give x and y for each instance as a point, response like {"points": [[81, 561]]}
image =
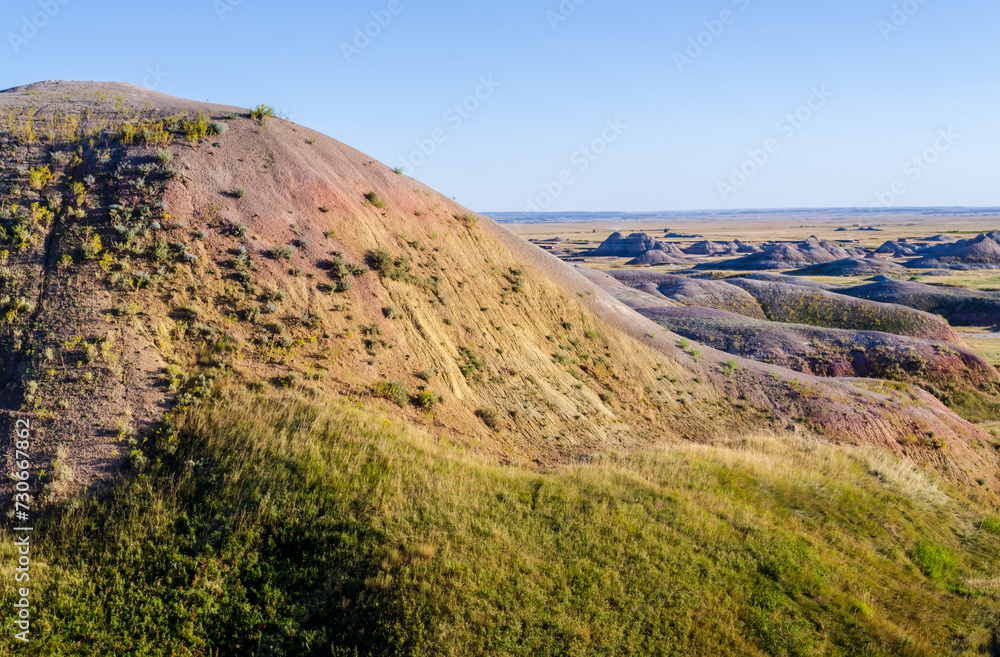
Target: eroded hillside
{"points": [[155, 245]]}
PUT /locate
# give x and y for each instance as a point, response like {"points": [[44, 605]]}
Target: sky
{"points": [[580, 105]]}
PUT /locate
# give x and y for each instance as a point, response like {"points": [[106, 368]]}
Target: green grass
{"points": [[290, 526]]}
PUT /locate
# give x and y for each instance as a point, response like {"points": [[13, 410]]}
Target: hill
{"points": [[285, 400]]}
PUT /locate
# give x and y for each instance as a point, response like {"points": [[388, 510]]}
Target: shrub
{"points": [[490, 418], [239, 192], [391, 390], [187, 256], [283, 253], [161, 250], [344, 284], [991, 525], [164, 156], [218, 127], [427, 400], [390, 312], [138, 460], [468, 220], [396, 269], [270, 308], [39, 177], [374, 199], [274, 294], [91, 247], [262, 112], [142, 279], [239, 229], [311, 320], [428, 374], [252, 314], [471, 365], [591, 334]]}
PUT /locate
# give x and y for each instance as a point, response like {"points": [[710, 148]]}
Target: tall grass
{"points": [[284, 525]]}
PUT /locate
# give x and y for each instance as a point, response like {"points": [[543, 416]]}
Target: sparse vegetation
{"points": [[261, 113], [397, 269], [391, 390], [283, 253]]}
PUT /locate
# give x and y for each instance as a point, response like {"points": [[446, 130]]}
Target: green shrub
{"points": [[374, 199], [391, 390], [471, 366]]}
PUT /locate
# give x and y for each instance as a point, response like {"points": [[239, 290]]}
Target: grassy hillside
{"points": [[290, 525]]}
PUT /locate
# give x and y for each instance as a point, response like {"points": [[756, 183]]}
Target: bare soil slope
{"points": [[182, 242]]}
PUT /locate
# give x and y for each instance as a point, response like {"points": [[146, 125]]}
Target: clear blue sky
{"points": [[681, 132]]}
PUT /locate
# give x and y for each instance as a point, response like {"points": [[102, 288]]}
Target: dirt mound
{"points": [[982, 252], [796, 304], [789, 256], [961, 307], [707, 248], [898, 249], [632, 246], [853, 267], [657, 257], [693, 292]]}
